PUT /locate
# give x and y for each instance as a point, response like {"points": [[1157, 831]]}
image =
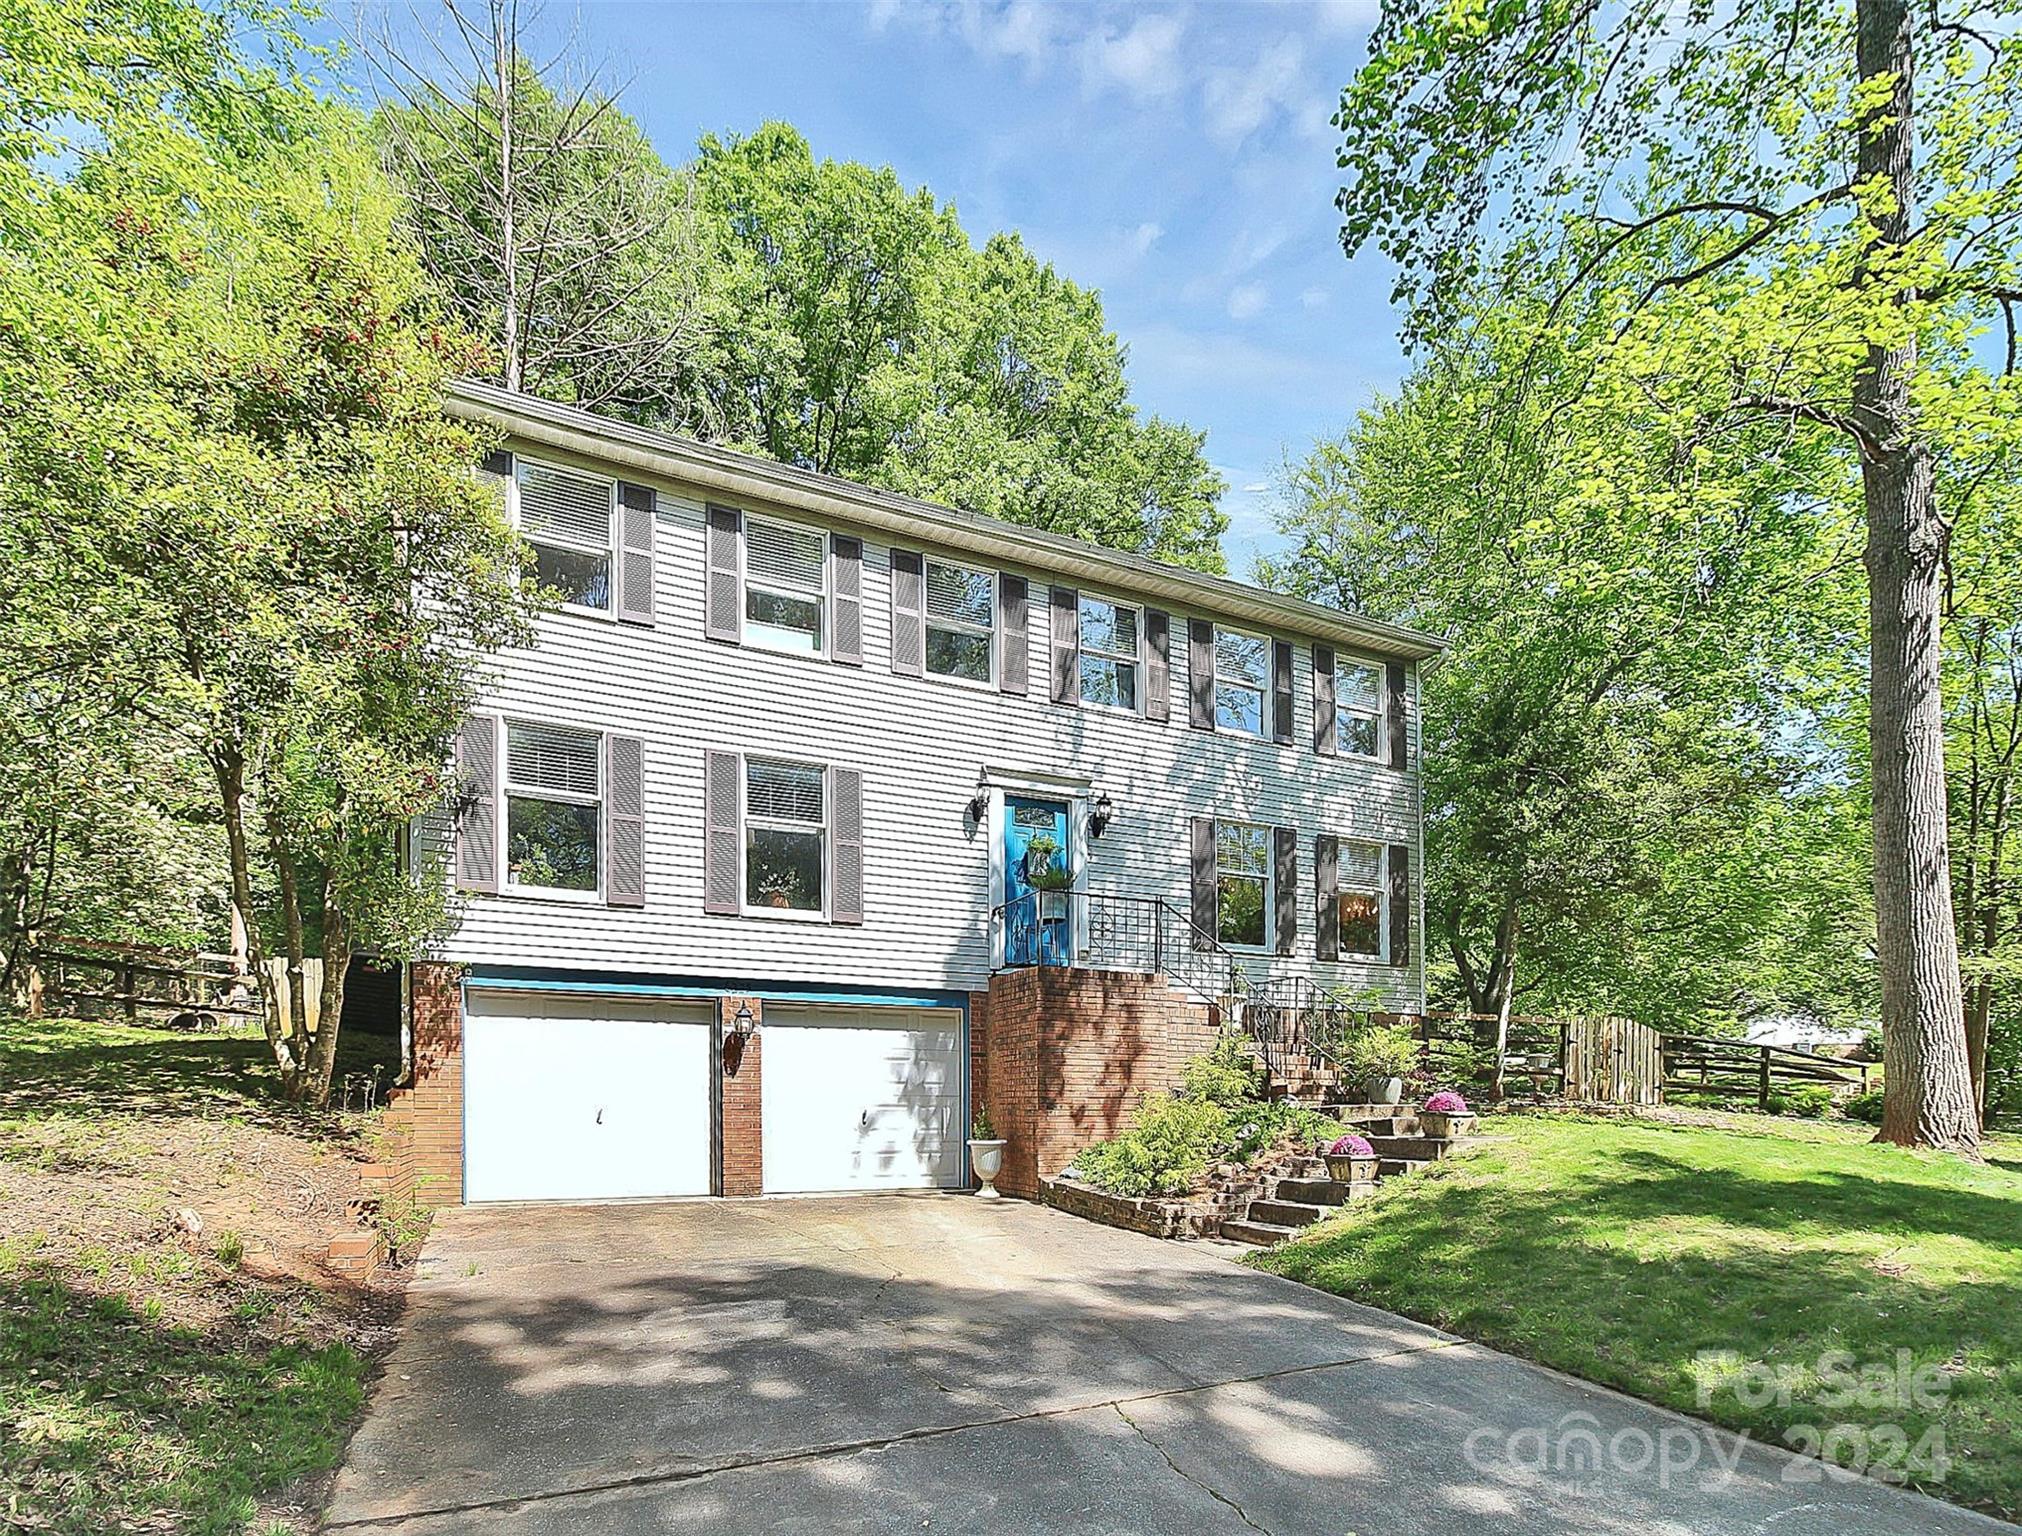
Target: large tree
{"points": [[1781, 210]]}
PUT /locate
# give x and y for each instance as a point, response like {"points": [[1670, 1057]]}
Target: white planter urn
{"points": [[986, 1158]]}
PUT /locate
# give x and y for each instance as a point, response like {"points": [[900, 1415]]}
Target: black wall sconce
{"points": [[1100, 813], [979, 802], [743, 1022]]}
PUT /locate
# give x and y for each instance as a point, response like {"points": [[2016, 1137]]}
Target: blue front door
{"points": [[1037, 930]]}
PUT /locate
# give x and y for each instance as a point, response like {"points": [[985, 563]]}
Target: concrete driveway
{"points": [[935, 1363]]}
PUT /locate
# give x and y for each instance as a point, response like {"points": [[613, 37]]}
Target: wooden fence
{"points": [[134, 982], [1710, 1065]]}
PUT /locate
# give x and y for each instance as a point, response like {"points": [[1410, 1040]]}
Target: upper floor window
{"points": [[1109, 653], [1243, 884], [1242, 678], [1361, 899], [785, 585], [961, 610], [1358, 698], [785, 833], [554, 804], [567, 515]]}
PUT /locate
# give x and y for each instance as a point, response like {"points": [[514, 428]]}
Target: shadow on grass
{"points": [[1598, 1276], [61, 1068], [107, 1417]]}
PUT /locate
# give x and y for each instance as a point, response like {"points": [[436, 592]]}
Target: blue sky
{"points": [[1178, 158]]}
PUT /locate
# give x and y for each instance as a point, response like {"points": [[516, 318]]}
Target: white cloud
{"points": [[1144, 59], [1144, 237], [1313, 298], [1247, 300], [881, 14], [1240, 99]]}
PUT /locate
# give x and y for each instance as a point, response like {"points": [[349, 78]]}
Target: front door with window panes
{"points": [[1037, 877], [553, 807]]}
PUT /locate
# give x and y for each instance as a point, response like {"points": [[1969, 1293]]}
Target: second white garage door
{"points": [[861, 1098]]}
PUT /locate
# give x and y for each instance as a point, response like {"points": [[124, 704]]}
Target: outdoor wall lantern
{"points": [[744, 1021], [1098, 816], [979, 802]]}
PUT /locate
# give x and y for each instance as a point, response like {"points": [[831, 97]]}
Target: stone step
{"points": [[1312, 1191], [1397, 1167], [1287, 1213], [1259, 1233], [1424, 1148]]}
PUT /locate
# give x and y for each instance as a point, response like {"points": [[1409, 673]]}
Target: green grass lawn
{"points": [[1630, 1251], [152, 1378]]}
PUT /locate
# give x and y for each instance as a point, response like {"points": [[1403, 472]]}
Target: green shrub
{"points": [[1382, 1050], [1227, 1075], [1865, 1107], [1167, 1152]]}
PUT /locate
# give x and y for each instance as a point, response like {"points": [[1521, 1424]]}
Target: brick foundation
{"points": [[743, 1135], [421, 1159], [1061, 1057]]}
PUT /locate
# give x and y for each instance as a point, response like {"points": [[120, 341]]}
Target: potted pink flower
{"points": [[1350, 1160], [1446, 1114]]}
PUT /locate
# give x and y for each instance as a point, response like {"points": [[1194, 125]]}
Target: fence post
{"points": [[1762, 1082], [126, 986]]}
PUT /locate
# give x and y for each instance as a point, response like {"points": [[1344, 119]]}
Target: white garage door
{"points": [[861, 1098], [584, 1098]]}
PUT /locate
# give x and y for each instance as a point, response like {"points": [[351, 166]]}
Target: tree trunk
{"points": [[505, 64], [291, 924], [1929, 1091], [336, 961], [229, 766]]}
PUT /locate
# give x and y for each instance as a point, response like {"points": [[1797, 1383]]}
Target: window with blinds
{"points": [[1109, 653], [961, 620], [785, 585], [1362, 898], [567, 516], [1242, 674], [1358, 699], [1242, 883], [554, 807], [785, 836]]}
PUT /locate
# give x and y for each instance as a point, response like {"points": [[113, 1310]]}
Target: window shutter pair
{"points": [[909, 622], [723, 853], [624, 813], [1206, 886]]}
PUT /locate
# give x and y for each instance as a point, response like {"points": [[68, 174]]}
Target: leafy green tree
{"points": [[864, 336], [1777, 211], [230, 487], [1614, 821]]}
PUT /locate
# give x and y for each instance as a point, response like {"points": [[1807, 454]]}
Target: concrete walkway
{"points": [[935, 1363]]}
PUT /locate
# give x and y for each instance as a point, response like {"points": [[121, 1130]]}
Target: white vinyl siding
{"points": [[919, 744], [1242, 682], [567, 516], [785, 586], [961, 622]]}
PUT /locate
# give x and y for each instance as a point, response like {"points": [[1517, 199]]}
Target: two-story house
{"points": [[765, 840]]}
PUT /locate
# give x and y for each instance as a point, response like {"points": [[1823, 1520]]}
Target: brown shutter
{"points": [[721, 618], [722, 785], [1201, 673], [1157, 665], [846, 829], [1325, 736], [1202, 864], [624, 821], [498, 462], [1393, 712], [909, 612], [1400, 904], [1014, 657], [1281, 691], [635, 553], [849, 599], [1285, 885], [477, 818], [1327, 891], [1066, 604]]}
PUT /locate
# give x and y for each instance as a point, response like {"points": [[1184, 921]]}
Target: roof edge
{"points": [[735, 474]]}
